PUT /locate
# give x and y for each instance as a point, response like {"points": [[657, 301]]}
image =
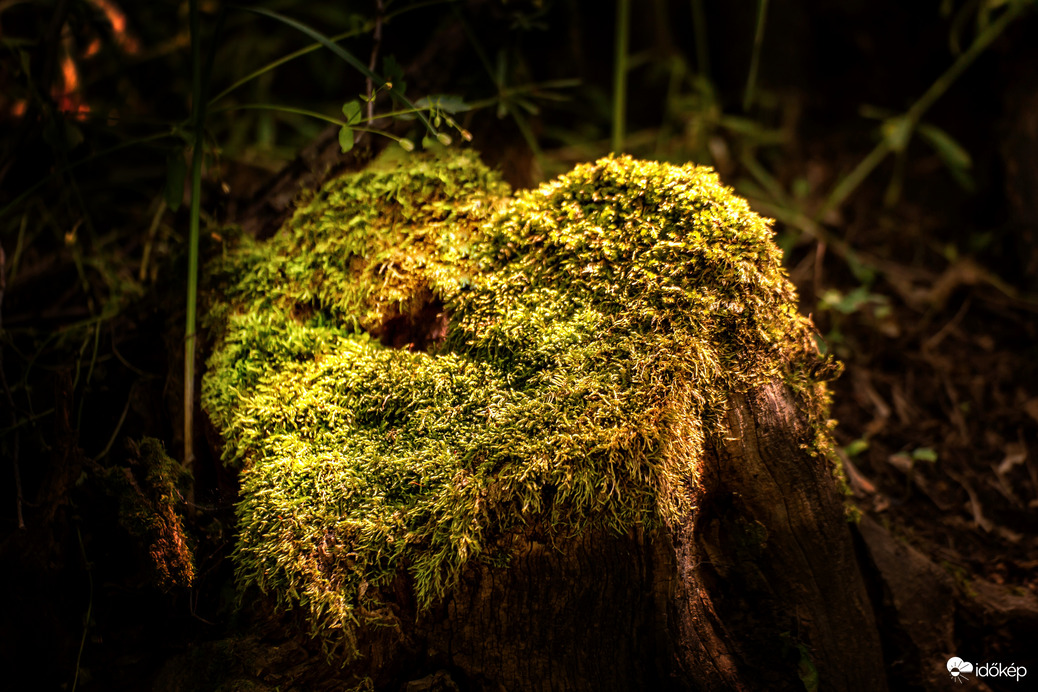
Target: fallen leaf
{"points": [[1016, 454], [1031, 407]]}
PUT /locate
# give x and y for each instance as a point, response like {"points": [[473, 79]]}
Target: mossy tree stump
{"points": [[574, 439]]}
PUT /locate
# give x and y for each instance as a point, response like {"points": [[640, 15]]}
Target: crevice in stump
{"points": [[422, 328]]}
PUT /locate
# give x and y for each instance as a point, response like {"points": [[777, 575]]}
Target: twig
{"points": [[153, 229], [90, 607], [374, 58], [118, 427], [10, 399]]}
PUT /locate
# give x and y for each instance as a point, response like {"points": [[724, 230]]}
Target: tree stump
{"points": [[758, 589], [575, 439]]}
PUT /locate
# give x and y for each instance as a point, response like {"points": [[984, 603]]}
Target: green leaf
{"points": [[176, 172], [857, 447], [953, 154], [396, 90], [949, 150], [806, 670], [527, 105], [875, 112], [351, 110], [345, 138], [924, 454], [846, 304], [447, 103], [865, 273], [897, 131], [26, 63], [742, 126]]}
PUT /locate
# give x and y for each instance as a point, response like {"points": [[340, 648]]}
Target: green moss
{"points": [[595, 326], [150, 493]]}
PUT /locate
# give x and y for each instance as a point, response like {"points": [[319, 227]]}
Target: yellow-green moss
{"points": [[595, 326]]}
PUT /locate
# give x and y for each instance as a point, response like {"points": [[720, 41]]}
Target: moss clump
{"points": [[150, 506], [595, 327]]}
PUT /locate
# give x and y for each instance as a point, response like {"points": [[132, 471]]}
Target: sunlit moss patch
{"points": [[419, 365]]}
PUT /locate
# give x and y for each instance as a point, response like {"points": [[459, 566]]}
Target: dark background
{"points": [[923, 279]]}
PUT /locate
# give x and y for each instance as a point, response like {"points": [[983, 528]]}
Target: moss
{"points": [[591, 331], [150, 506]]}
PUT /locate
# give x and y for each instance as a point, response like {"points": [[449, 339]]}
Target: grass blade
{"points": [[199, 86], [341, 52], [758, 42], [623, 22]]}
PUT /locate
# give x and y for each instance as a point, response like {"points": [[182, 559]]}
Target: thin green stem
{"points": [[281, 61], [197, 154], [285, 109], [911, 119], [623, 27], [505, 93], [316, 115], [758, 43], [480, 53], [527, 133], [104, 152], [376, 43], [993, 30], [89, 610], [23, 422], [115, 433], [702, 44], [344, 55], [89, 374], [853, 179], [764, 178]]}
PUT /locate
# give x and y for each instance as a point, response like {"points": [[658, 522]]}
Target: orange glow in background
{"points": [[66, 92]]}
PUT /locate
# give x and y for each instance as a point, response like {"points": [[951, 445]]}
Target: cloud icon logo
{"points": [[958, 668]]}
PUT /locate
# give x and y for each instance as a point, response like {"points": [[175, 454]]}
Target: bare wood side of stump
{"points": [[768, 562]]}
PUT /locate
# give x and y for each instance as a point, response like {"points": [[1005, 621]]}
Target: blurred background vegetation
{"points": [[895, 144]]}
